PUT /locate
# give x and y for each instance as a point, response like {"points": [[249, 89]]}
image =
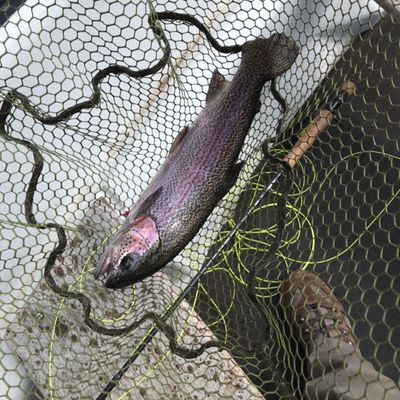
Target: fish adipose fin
{"points": [[178, 140], [147, 203], [270, 57], [230, 179], [217, 85]]}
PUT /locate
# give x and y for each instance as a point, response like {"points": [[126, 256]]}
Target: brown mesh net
{"points": [[92, 96]]}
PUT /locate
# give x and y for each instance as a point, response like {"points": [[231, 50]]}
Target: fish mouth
{"points": [[108, 274], [111, 281], [110, 278], [103, 270], [106, 264]]}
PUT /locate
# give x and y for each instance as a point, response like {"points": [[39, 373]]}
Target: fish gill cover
{"points": [[92, 96]]}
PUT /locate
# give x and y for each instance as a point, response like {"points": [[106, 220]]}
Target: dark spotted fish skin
{"points": [[202, 167]]}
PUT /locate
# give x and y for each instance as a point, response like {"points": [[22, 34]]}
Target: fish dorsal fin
{"points": [[147, 203], [217, 85], [178, 139]]}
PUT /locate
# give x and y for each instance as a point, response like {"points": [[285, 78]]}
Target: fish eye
{"points": [[129, 261]]}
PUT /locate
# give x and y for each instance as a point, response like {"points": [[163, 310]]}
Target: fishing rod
{"points": [[320, 123], [306, 139]]}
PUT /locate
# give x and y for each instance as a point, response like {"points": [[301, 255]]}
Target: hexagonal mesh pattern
{"points": [[92, 96]]}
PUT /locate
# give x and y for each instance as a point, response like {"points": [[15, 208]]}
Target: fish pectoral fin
{"points": [[149, 201], [178, 140], [217, 85], [231, 179]]}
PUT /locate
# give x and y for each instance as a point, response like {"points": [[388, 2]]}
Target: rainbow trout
{"points": [[199, 170]]}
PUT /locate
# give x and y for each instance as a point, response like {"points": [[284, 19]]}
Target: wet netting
{"points": [[93, 94]]}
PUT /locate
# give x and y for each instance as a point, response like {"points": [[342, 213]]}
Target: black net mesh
{"points": [[92, 96]]}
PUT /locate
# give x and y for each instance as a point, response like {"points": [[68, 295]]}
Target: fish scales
{"points": [[200, 169]]}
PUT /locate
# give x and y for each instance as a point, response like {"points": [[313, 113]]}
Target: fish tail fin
{"points": [[272, 56]]}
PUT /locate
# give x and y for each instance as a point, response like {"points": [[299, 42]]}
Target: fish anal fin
{"points": [[231, 179], [178, 139], [217, 85], [147, 203]]}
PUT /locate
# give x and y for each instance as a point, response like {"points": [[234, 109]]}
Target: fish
{"points": [[200, 169]]}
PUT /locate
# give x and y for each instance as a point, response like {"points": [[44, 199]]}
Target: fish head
{"points": [[125, 259]]}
